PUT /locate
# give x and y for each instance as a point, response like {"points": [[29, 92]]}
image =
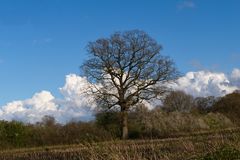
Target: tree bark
{"points": [[124, 124]]}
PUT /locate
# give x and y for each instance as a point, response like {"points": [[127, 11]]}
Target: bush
{"points": [[157, 123], [167, 124], [13, 134], [81, 132], [217, 121], [109, 121]]}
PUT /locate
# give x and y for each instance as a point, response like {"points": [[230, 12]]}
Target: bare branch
{"points": [[129, 68]]}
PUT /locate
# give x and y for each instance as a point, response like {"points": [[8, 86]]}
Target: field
{"points": [[224, 144]]}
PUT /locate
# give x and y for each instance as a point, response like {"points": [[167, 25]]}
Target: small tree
{"points": [[205, 104], [126, 69], [178, 101]]}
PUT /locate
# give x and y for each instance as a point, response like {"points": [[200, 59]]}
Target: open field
{"points": [[180, 147]]}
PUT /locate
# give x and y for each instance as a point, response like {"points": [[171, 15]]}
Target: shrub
{"points": [[13, 134], [217, 121], [109, 121]]}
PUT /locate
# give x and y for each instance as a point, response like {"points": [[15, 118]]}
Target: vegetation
{"points": [[143, 124], [229, 105], [223, 145], [165, 132], [222, 153]]}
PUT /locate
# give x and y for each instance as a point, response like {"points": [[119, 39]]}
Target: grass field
{"points": [[224, 144]]}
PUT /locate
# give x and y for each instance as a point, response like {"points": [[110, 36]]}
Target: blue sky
{"points": [[41, 41]]}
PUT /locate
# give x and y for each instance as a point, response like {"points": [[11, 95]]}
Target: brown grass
{"points": [[179, 148]]}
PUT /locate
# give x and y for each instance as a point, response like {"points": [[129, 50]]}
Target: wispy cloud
{"points": [[185, 4]]}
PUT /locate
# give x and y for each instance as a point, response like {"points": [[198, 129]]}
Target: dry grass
{"points": [[184, 147]]}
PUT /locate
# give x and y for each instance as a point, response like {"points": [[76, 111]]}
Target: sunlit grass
{"points": [[184, 147]]}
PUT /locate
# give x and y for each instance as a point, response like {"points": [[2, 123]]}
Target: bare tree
{"points": [[205, 104], [126, 69], [178, 101]]}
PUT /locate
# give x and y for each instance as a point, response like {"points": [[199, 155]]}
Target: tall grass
{"points": [[188, 147]]}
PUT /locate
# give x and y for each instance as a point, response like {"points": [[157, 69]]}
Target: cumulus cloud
{"points": [[76, 104], [206, 83], [76, 91], [30, 110]]}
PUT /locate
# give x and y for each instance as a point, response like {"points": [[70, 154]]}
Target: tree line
{"points": [[190, 116]]}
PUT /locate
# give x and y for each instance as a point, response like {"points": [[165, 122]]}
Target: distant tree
{"points": [[126, 69], [178, 101], [48, 121], [229, 105], [205, 104]]}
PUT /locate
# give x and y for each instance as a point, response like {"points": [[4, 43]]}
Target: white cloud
{"points": [[78, 105], [75, 104], [205, 83], [235, 74], [30, 110], [75, 91], [235, 77]]}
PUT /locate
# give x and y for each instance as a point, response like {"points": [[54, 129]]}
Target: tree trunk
{"points": [[124, 124]]}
